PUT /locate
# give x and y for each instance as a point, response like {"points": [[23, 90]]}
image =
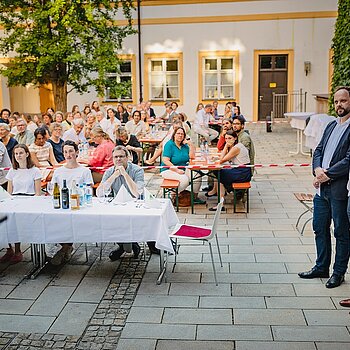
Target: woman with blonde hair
{"points": [[90, 123], [102, 156]]}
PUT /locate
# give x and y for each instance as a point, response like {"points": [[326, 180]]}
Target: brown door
{"points": [[273, 74]]}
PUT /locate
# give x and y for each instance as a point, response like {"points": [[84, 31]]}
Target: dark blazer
{"points": [[338, 170]]}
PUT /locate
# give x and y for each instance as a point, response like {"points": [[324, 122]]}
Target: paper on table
{"points": [[122, 196]]}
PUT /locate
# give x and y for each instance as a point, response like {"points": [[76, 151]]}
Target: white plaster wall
{"points": [[25, 99]]}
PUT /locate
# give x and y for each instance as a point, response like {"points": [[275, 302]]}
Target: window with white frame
{"points": [[124, 76], [219, 77], [164, 79]]}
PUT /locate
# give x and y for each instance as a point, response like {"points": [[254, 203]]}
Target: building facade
{"points": [[230, 50]]}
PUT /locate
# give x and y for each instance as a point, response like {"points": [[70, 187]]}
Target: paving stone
{"points": [[152, 288], [231, 277], [257, 268], [321, 303], [159, 331], [235, 332], [269, 317], [30, 289], [51, 301], [311, 333], [197, 316], [136, 344], [166, 301], [14, 306], [333, 346], [327, 317], [282, 258], [173, 277], [232, 302], [194, 345], [90, 290], [321, 290], [73, 319], [257, 345], [229, 258], [262, 290], [272, 249], [203, 289], [146, 315], [70, 275], [25, 324], [199, 267], [287, 278], [5, 290]]}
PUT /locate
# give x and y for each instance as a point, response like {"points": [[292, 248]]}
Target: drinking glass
{"points": [[49, 188], [100, 193], [107, 192]]}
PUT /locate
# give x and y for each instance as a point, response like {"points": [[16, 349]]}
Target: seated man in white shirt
{"points": [[76, 133], [201, 124], [72, 170], [136, 126], [132, 177]]}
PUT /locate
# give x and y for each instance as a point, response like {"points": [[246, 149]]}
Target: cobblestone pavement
{"points": [[260, 302]]}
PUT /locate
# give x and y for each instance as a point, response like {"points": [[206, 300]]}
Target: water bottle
{"points": [[88, 195], [85, 150], [80, 148], [81, 195]]}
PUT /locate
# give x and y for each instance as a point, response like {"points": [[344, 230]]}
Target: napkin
{"points": [[150, 200], [122, 196]]}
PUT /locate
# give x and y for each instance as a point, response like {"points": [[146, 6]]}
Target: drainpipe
{"points": [[139, 48]]}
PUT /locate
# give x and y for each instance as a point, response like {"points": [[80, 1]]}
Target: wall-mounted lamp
{"points": [[307, 67]]}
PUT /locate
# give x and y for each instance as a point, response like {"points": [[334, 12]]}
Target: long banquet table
{"points": [[34, 220]]}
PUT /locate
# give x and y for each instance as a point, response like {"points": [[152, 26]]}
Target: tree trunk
{"points": [[59, 90]]}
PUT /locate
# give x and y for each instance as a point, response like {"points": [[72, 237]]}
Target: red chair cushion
{"points": [[192, 231]]}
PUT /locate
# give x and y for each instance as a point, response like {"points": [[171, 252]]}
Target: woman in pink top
{"points": [[102, 155]]}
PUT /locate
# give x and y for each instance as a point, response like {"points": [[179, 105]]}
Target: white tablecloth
{"points": [[315, 129], [298, 119], [34, 220]]}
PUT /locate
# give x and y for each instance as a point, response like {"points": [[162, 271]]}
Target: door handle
{"points": [[261, 98]]}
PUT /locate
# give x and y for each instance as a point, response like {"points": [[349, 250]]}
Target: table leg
{"points": [[162, 267], [218, 179], [192, 200], [299, 144], [38, 259]]}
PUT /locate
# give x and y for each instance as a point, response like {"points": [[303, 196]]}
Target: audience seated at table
{"points": [[149, 109], [72, 170], [41, 152], [47, 119], [101, 159], [201, 124], [177, 153], [234, 153], [112, 124], [226, 125], [13, 124], [158, 152], [6, 139], [56, 141], [23, 179], [5, 162], [237, 113], [24, 135], [228, 110], [131, 143], [90, 123], [76, 133], [122, 114], [31, 125], [68, 121], [136, 126], [123, 172]]}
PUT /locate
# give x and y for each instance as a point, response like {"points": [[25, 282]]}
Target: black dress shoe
{"points": [[335, 281], [136, 249], [152, 248], [314, 273], [345, 303], [214, 209], [116, 254], [207, 189]]}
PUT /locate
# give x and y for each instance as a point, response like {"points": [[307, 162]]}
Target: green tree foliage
{"points": [[341, 49], [71, 44]]}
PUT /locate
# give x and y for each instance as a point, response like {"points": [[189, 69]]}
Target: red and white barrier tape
{"points": [[206, 166]]}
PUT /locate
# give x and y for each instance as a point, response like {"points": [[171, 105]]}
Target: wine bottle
{"points": [[74, 197], [56, 196], [65, 195]]}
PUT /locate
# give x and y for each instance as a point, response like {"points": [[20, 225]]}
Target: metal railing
{"points": [[293, 101]]}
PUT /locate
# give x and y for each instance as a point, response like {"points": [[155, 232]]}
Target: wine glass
{"points": [[107, 192], [49, 188], [100, 193]]}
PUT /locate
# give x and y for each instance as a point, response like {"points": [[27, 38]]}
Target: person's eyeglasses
{"points": [[236, 124], [119, 157]]}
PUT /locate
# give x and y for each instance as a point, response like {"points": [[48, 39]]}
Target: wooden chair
{"points": [[171, 186], [240, 186]]}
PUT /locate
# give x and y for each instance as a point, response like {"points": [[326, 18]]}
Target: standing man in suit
{"points": [[331, 169]]}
